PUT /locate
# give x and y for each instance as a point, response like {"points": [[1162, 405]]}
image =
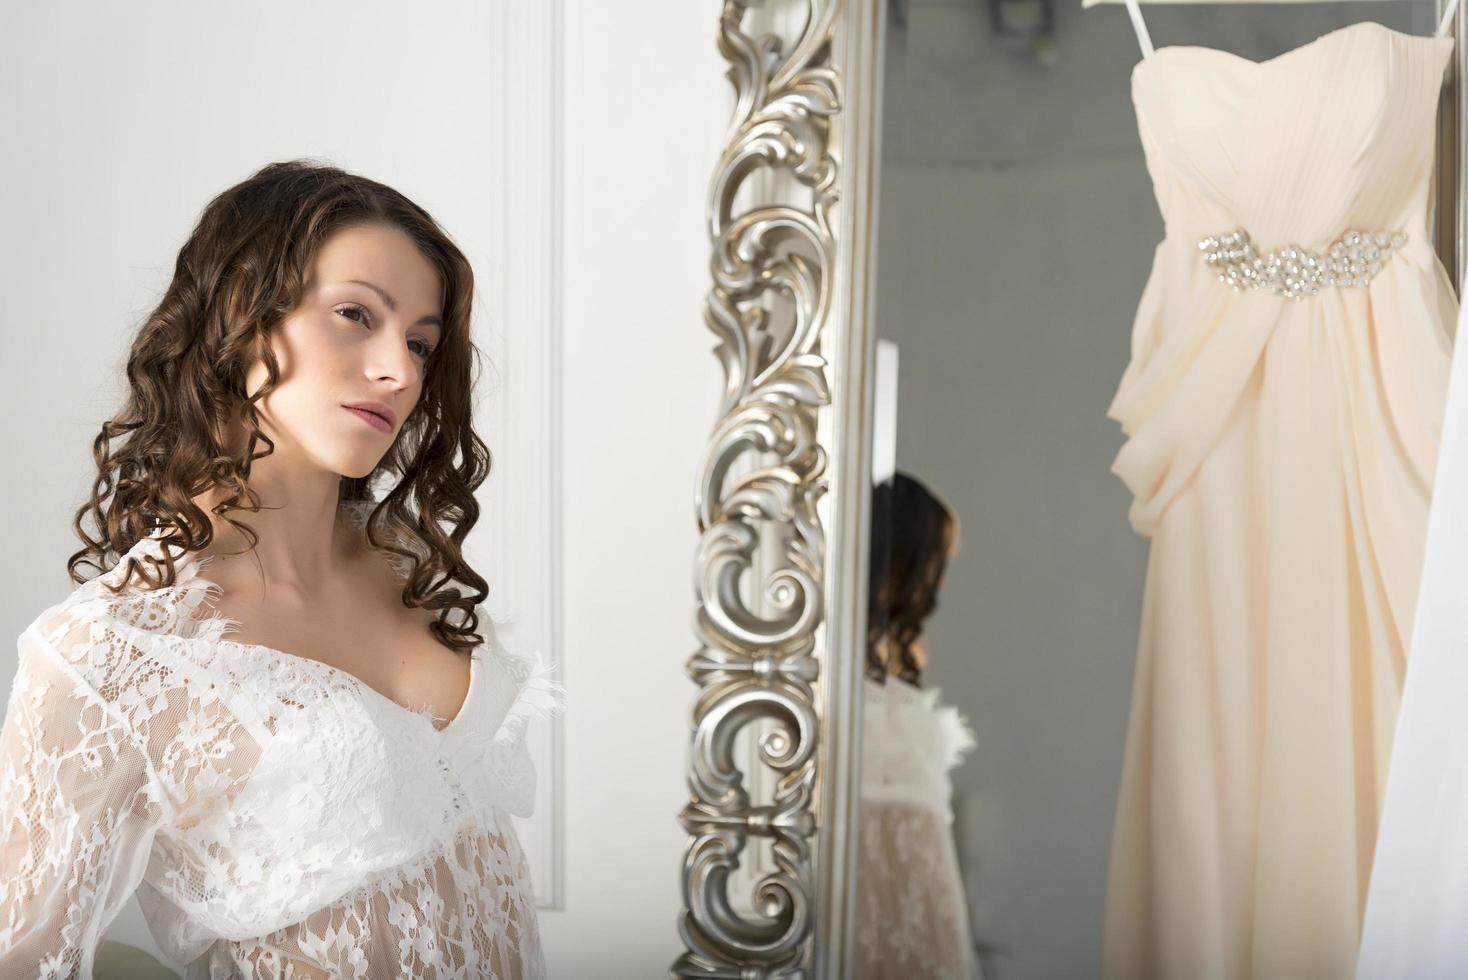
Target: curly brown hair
{"points": [[242, 270], [913, 534]]}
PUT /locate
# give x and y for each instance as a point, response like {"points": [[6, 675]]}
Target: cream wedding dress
{"points": [[1281, 447]]}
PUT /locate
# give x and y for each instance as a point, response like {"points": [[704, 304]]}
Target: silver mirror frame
{"points": [[786, 665]]}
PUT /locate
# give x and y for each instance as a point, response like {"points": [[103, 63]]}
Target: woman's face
{"points": [[370, 317]]}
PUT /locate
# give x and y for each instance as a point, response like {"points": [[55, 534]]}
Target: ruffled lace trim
{"points": [[504, 749], [958, 736], [910, 742]]}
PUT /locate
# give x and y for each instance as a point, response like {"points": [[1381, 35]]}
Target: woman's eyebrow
{"points": [[392, 304]]}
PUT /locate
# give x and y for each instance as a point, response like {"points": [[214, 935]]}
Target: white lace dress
{"points": [[912, 914], [275, 816]]}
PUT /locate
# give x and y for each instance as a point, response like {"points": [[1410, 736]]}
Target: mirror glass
{"points": [[1175, 655]]}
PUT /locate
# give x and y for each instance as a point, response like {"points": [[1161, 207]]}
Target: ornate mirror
{"points": [[934, 571]]}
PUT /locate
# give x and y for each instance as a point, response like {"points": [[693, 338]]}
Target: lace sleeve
{"points": [[80, 805], [524, 682]]}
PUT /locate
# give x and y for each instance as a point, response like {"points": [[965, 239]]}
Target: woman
{"points": [[299, 764]]}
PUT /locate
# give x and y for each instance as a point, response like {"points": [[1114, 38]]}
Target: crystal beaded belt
{"points": [[1294, 272]]}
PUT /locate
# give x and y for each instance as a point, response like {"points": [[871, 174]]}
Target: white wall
{"points": [[118, 121], [645, 111]]}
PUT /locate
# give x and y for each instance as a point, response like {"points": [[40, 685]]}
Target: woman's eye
{"points": [[352, 309], [427, 349]]}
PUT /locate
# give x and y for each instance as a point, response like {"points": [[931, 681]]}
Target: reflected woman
{"points": [[912, 914]]}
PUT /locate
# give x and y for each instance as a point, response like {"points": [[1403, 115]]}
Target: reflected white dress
{"points": [[275, 816], [912, 914]]}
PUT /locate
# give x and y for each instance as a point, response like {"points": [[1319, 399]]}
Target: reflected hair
{"points": [[242, 270], [912, 536]]}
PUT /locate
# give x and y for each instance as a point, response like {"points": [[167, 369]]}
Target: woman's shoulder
{"points": [[114, 628]]}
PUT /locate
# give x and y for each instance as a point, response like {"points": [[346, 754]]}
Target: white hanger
{"points": [[1442, 25]]}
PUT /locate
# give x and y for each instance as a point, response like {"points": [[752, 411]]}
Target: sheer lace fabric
{"points": [[275, 816], [913, 920]]}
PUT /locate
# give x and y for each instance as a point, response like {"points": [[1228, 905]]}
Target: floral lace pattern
{"points": [[912, 915], [275, 816]]}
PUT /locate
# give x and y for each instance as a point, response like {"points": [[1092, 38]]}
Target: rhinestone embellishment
{"points": [[1294, 272]]}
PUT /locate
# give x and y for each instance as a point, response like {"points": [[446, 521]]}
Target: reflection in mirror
{"points": [[1159, 679], [909, 869]]}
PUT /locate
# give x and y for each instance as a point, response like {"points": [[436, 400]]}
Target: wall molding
{"points": [[523, 409]]}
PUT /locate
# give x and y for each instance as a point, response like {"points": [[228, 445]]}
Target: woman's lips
{"points": [[376, 421]]}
